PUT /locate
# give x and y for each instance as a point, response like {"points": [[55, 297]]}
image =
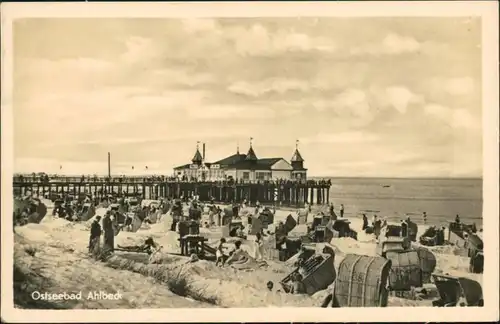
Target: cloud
{"points": [[391, 44], [230, 112], [345, 137], [460, 86], [400, 97], [146, 87], [196, 25], [459, 118], [257, 40], [274, 85], [139, 49]]}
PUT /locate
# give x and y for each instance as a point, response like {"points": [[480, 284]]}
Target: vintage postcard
{"points": [[250, 162]]}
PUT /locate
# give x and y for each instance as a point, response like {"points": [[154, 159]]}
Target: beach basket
{"points": [[405, 270], [88, 211], [226, 220], [339, 228], [320, 234], [474, 242], [290, 223], [427, 263], [189, 228], [412, 231], [317, 220], [456, 235], [453, 289], [362, 282], [195, 213], [256, 226], [318, 272], [136, 223], [393, 230], [476, 264], [390, 244], [272, 254], [266, 217], [309, 252], [292, 246]]}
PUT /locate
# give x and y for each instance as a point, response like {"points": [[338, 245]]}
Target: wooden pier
{"points": [[279, 192]]}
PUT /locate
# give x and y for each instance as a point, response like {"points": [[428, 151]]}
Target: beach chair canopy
{"points": [[451, 288]]}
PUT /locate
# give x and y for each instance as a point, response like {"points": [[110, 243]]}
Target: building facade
{"points": [[243, 167]]}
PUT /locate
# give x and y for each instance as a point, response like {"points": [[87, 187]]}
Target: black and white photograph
{"points": [[245, 160]]}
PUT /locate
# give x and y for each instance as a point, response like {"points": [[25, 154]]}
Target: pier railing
{"points": [[156, 179], [284, 192]]}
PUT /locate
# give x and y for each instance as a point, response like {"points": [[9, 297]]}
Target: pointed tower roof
{"points": [[296, 155], [251, 154], [197, 158]]}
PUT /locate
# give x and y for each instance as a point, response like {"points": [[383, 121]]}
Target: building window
{"points": [[246, 175]]}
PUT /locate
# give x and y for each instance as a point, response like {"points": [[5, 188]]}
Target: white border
{"points": [[488, 10]]}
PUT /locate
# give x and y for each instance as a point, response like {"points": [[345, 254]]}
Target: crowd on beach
{"points": [[103, 230]]}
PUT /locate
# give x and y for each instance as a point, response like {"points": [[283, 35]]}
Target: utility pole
{"points": [[109, 165]]}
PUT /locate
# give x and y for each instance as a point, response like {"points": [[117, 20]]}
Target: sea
{"points": [[396, 199]]}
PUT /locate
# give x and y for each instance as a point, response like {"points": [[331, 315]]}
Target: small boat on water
{"points": [[386, 186]]}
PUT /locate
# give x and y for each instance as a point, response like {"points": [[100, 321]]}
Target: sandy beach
{"points": [[57, 249]]}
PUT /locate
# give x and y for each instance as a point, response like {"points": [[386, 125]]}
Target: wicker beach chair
{"points": [[362, 282], [405, 271]]}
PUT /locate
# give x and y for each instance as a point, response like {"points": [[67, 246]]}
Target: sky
{"points": [[375, 97]]}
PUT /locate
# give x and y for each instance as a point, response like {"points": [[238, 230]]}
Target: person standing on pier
{"points": [[109, 233], [341, 210]]}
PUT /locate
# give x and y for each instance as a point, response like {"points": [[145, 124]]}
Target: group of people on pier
{"points": [[45, 179]]}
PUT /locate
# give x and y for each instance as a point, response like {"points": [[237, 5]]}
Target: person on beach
{"points": [[341, 210], [270, 285], [219, 216], [332, 209], [297, 286], [476, 264], [365, 222], [374, 219], [109, 233], [219, 253], [457, 219], [236, 254], [377, 226], [301, 259], [150, 246], [425, 218], [95, 234], [404, 229], [259, 247]]}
